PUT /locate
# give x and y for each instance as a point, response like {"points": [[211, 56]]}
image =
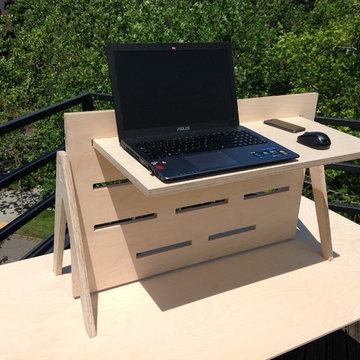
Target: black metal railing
{"points": [[87, 102], [351, 210], [353, 124]]}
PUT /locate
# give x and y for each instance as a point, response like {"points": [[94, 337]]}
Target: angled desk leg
{"points": [[66, 211], [59, 228], [318, 182]]}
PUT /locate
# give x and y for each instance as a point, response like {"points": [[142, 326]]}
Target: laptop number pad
{"points": [[271, 152]]}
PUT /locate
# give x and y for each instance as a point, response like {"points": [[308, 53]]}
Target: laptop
{"points": [[176, 110]]}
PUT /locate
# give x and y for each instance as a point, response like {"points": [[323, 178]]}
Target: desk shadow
{"points": [[66, 270], [186, 285]]}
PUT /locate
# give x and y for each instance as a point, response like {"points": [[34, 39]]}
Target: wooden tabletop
{"points": [[344, 147], [252, 305]]}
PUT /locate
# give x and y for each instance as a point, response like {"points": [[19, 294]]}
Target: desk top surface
{"points": [[252, 305], [344, 147]]}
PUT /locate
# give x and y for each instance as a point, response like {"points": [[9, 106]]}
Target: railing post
{"points": [[88, 103]]}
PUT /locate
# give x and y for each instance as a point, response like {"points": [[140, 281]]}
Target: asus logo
{"points": [[183, 128]]}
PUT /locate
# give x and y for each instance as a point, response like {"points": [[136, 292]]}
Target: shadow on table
{"points": [[183, 286]]}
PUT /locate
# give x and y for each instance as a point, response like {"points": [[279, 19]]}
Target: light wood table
{"points": [[252, 305]]}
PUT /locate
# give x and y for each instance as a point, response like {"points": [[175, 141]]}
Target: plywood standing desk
{"points": [[126, 231]]}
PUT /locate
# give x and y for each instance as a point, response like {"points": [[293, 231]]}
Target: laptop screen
{"points": [[160, 87]]}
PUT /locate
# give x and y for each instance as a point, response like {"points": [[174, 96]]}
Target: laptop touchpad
{"points": [[213, 160]]}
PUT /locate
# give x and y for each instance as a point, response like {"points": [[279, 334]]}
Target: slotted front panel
{"points": [[128, 236]]}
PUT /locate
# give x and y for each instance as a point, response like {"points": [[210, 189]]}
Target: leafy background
{"points": [[53, 50]]}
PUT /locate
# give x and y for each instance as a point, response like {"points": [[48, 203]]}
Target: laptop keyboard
{"points": [[192, 144]]}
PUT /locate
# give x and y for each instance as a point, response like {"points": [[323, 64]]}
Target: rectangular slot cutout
{"points": [[266, 192], [201, 206], [130, 220], [231, 232], [111, 183], [163, 249]]}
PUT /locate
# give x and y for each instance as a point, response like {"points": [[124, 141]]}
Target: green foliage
{"points": [[57, 49], [40, 227], [323, 58], [52, 50], [279, 46]]}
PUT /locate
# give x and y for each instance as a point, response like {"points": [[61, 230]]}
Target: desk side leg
{"points": [[60, 225], [77, 252], [318, 182]]}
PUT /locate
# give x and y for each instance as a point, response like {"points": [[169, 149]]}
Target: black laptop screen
{"points": [[172, 86]]}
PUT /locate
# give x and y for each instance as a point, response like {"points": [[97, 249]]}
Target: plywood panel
{"points": [[269, 107], [129, 236]]}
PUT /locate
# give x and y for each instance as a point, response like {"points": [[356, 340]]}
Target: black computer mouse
{"points": [[315, 140]]}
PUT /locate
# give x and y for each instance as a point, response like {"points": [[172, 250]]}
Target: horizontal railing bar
{"points": [[346, 208], [344, 166], [103, 97], [27, 119], [45, 247], [88, 104], [354, 124], [29, 167], [24, 218], [40, 249], [63, 105]]}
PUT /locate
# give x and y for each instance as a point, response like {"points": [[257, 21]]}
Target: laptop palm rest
{"points": [[211, 160]]}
